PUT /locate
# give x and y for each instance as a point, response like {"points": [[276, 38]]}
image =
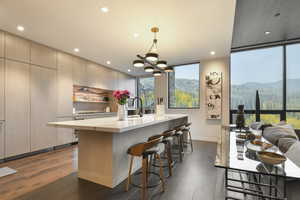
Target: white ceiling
{"points": [[189, 29]]}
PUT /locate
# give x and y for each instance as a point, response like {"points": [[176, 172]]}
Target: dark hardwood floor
{"points": [[195, 178], [52, 175]]}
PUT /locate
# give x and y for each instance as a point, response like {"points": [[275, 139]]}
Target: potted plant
{"points": [[122, 96]]}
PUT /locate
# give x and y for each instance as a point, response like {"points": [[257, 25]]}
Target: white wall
{"points": [[202, 129]]}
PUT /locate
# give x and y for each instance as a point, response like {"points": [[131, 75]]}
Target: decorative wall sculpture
{"points": [[213, 82]]}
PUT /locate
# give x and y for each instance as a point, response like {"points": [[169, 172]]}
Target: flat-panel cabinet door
{"points": [[93, 74], [1, 139], [64, 135], [65, 85], [2, 83], [43, 107], [1, 44], [17, 48], [42, 55], [17, 110], [79, 71], [108, 78]]}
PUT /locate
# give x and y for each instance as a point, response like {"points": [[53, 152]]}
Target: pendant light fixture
{"points": [[149, 69], [152, 58], [169, 69], [157, 73], [138, 63], [162, 64]]}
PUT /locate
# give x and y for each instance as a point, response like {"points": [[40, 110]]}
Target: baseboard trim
{"points": [[36, 152]]}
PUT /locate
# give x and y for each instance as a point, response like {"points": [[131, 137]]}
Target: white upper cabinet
{"points": [[1, 44], [2, 83], [105, 78], [17, 108], [80, 72], [42, 55], [94, 75], [114, 80], [17, 48], [64, 85], [43, 107]]}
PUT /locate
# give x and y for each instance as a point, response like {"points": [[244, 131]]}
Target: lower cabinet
{"points": [[43, 107], [1, 139], [65, 135], [17, 110]]}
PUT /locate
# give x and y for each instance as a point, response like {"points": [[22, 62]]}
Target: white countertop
{"points": [[111, 124]]}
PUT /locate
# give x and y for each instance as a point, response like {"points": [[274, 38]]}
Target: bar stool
{"points": [[179, 136], [167, 141], [187, 132], [145, 150]]}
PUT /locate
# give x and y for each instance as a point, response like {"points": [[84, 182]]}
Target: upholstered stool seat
{"points": [[167, 143], [159, 149]]}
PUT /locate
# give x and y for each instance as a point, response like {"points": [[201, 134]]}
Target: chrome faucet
{"points": [[139, 105]]}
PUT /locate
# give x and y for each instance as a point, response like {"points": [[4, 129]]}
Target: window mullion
{"points": [[283, 115]]}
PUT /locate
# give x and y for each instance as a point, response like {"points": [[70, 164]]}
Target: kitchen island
{"points": [[103, 144]]}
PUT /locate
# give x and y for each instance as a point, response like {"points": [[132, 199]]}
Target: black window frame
{"points": [[284, 109], [184, 108]]}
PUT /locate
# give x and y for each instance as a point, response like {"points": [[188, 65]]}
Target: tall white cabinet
{"points": [[65, 85], [2, 150], [2, 78], [2, 83], [43, 107], [36, 87], [80, 76], [17, 108], [65, 65]]}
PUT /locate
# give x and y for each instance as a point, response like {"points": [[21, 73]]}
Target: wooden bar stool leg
{"points": [[191, 141], [129, 174], [144, 178], [161, 173]]}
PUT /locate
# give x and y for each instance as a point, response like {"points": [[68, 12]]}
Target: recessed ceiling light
{"points": [[76, 50], [20, 28], [129, 70], [108, 62], [136, 35], [212, 53], [104, 9], [267, 32]]}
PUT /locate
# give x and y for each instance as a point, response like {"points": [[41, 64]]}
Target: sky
{"points": [[264, 65]]}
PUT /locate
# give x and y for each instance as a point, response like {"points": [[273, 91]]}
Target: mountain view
{"points": [[184, 93], [270, 99]]}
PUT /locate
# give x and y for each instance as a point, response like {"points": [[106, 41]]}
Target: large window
{"points": [[257, 70], [275, 73], [293, 76], [146, 92], [293, 85], [183, 85]]}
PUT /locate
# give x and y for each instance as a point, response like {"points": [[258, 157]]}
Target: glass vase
{"points": [[122, 112]]}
